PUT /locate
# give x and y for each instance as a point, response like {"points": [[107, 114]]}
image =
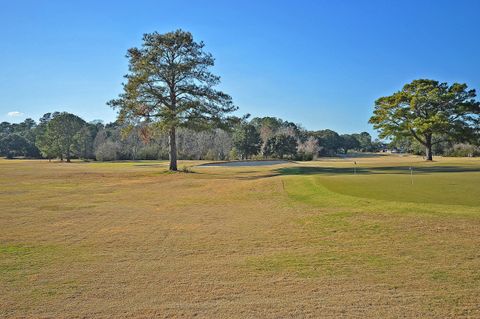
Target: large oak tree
{"points": [[169, 85], [430, 112]]}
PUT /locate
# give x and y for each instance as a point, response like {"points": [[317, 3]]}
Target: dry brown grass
{"points": [[130, 240]]}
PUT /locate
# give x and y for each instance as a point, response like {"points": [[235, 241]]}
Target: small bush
{"points": [[210, 156], [107, 151], [233, 155], [185, 169], [304, 156], [149, 152]]}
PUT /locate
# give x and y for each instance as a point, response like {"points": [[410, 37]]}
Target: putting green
{"points": [[446, 189], [444, 182]]}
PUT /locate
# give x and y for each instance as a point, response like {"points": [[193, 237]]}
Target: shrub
{"points": [[211, 155], [107, 151], [149, 152], [185, 169], [304, 156], [233, 155]]}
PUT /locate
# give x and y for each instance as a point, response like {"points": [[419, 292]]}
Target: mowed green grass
{"points": [[448, 181], [307, 239]]}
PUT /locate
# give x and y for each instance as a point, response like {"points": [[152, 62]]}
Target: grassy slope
{"points": [[128, 239]]}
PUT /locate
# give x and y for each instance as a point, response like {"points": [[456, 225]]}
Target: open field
{"points": [[307, 239]]}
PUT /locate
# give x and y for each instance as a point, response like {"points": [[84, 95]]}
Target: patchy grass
{"points": [[307, 239]]}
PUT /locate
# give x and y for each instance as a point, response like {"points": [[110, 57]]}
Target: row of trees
{"points": [[273, 137], [66, 136], [56, 135]]}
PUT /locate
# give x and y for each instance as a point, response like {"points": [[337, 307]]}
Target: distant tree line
{"points": [[65, 136], [270, 137]]}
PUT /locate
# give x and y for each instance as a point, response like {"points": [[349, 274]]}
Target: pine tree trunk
{"points": [[428, 148], [428, 152], [173, 149]]}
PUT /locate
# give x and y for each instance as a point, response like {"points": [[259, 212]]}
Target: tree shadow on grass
{"points": [[332, 171], [240, 177], [304, 170]]}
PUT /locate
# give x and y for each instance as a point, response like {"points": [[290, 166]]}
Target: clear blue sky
{"points": [[319, 63]]}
